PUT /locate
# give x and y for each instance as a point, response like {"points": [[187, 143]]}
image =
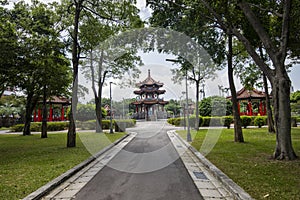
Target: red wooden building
{"points": [[251, 102], [57, 107], [148, 103]]}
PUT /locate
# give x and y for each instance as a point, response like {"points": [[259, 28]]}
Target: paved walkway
{"points": [[152, 163]]}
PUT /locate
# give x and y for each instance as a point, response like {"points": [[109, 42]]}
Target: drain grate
{"points": [[106, 157], [178, 146], [200, 175]]}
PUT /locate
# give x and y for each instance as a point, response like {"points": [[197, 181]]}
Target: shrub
{"points": [[246, 121], [171, 121], [87, 125], [57, 126], [294, 121], [17, 128], [206, 121], [193, 120], [259, 121], [37, 126], [215, 121], [106, 124], [226, 121], [128, 122]]}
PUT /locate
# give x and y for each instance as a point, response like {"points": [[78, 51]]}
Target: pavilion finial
{"points": [[149, 73]]}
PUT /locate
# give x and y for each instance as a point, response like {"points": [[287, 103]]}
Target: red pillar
{"points": [[51, 113], [62, 114], [250, 108], [261, 108], [39, 115]]}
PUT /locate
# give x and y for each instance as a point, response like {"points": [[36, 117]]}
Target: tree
{"points": [[8, 50], [205, 106], [174, 107], [115, 12], [190, 17], [39, 53], [277, 50], [203, 70], [99, 66]]}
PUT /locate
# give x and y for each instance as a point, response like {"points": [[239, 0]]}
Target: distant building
{"points": [[149, 105]]}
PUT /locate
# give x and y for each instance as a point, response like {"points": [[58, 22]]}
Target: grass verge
{"points": [[250, 165], [29, 162]]}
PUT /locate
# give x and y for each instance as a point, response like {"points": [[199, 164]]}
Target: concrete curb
{"points": [[42, 191], [238, 192]]}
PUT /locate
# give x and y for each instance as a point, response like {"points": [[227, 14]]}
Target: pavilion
{"points": [[251, 102], [148, 104], [57, 109]]}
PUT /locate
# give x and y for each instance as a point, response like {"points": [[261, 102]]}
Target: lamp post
{"points": [[188, 136], [183, 109], [111, 128], [123, 109]]}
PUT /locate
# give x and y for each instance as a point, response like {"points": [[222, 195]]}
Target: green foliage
{"points": [[246, 121], [216, 121], [206, 121], [173, 106], [295, 103], [86, 112], [179, 121], [259, 121], [37, 126], [227, 121], [249, 164], [25, 159], [215, 106], [193, 120]]}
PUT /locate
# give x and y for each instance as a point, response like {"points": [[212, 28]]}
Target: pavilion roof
{"points": [[250, 94], [58, 100], [149, 81]]}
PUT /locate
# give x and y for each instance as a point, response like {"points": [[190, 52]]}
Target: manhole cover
{"points": [[200, 175]]}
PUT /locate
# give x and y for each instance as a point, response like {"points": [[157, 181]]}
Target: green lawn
{"points": [[27, 163], [250, 164]]}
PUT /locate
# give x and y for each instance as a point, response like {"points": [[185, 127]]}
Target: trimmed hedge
{"points": [[246, 121], [259, 121], [37, 126], [226, 121], [91, 124]]}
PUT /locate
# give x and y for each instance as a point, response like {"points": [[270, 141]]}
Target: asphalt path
{"points": [[148, 168]]}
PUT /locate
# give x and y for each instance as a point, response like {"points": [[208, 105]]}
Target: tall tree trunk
{"points": [[238, 132], [197, 106], [71, 139], [98, 115], [281, 92], [30, 103], [44, 121], [270, 120]]}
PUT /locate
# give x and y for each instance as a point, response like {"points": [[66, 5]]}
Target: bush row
{"points": [[203, 121], [91, 124], [246, 121], [37, 126], [59, 126]]}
